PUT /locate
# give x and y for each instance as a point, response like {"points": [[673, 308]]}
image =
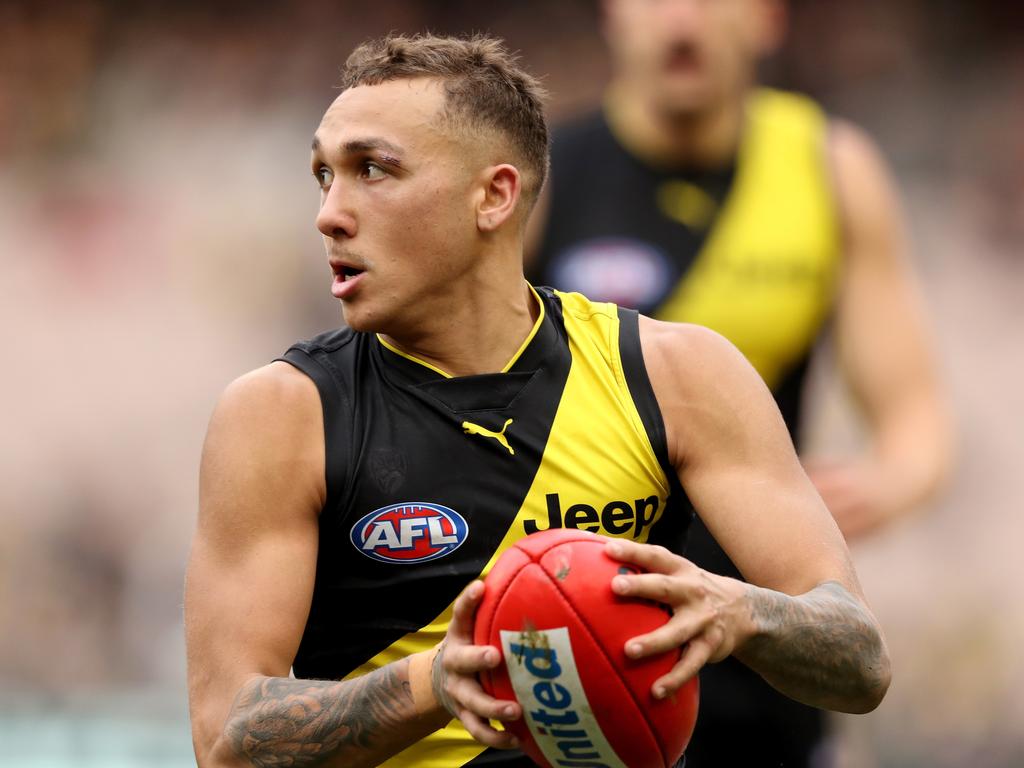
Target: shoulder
{"points": [[339, 341], [705, 387], [865, 189], [859, 168], [264, 448], [692, 356], [268, 415], [277, 388], [850, 143]]}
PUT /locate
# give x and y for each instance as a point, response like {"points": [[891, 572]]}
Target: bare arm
{"points": [[885, 350], [248, 591], [804, 627]]}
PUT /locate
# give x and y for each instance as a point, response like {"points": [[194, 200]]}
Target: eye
{"points": [[372, 172], [323, 175]]}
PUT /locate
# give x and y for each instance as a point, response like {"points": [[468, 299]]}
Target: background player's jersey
{"points": [[430, 478], [751, 250]]}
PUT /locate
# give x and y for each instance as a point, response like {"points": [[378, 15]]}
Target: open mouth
{"points": [[345, 271], [346, 279], [683, 57]]}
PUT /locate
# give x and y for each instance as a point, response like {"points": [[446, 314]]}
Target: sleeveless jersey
{"points": [[752, 251], [430, 478]]}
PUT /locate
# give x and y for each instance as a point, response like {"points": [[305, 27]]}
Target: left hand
{"points": [[857, 493], [710, 615], [455, 668]]}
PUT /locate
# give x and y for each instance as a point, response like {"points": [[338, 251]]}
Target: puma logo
{"points": [[476, 429]]}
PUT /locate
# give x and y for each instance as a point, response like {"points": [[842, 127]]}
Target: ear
{"points": [[502, 187]]}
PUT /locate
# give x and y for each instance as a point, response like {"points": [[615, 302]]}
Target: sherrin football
{"points": [[548, 606]]}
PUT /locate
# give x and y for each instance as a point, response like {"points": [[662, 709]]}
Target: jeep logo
{"points": [[616, 517]]}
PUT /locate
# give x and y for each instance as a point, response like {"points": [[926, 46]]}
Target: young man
{"points": [[694, 196], [350, 491]]}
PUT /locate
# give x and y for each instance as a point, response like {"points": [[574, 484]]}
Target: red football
{"points": [[549, 606]]}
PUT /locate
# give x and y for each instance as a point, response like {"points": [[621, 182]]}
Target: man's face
{"points": [[396, 202], [689, 55]]}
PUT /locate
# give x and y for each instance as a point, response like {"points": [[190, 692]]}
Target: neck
{"points": [[485, 325], [705, 138]]}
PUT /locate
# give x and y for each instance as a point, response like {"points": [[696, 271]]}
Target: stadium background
{"points": [[156, 240]]}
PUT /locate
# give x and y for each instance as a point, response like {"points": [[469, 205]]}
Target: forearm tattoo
{"points": [[278, 721], [822, 648]]}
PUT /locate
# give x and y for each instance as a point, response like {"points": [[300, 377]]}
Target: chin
{"points": [[685, 96], [360, 318], [365, 318]]}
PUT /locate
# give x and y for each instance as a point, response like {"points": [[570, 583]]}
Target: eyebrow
{"points": [[355, 146]]}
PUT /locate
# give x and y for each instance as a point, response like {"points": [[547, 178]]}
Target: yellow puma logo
{"points": [[476, 429]]}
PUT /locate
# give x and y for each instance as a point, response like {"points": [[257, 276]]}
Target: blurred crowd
{"points": [[157, 239]]}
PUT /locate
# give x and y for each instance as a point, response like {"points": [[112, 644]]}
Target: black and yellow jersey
{"points": [[430, 478]]}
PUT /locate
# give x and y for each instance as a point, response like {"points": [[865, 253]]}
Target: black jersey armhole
{"points": [[674, 533], [331, 399], [640, 388]]}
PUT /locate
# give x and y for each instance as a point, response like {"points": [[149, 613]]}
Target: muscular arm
{"points": [[822, 648], [283, 721], [885, 352], [248, 591], [801, 622]]}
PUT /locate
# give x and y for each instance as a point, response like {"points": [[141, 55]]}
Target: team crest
{"points": [[629, 272], [410, 532]]}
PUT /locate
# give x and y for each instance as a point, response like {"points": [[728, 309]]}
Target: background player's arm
{"points": [[248, 591], [885, 352], [805, 628]]}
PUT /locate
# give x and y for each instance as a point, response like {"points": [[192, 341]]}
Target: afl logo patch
{"points": [[410, 532], [628, 272]]}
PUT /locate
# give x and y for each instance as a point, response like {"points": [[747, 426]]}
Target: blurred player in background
{"points": [[350, 490], [694, 195]]}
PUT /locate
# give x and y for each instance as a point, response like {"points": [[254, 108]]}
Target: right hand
{"points": [[454, 671]]}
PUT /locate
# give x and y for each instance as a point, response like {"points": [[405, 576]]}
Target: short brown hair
{"points": [[484, 87]]}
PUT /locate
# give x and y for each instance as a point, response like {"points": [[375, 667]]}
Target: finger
{"points": [[464, 609], [483, 732], [470, 659], [695, 655], [476, 700], [648, 556], [680, 629], [660, 587]]}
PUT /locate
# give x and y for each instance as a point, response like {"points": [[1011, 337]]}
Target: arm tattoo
{"points": [[822, 648], [278, 721]]}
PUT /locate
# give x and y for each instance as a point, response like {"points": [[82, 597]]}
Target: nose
{"points": [[335, 218]]}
